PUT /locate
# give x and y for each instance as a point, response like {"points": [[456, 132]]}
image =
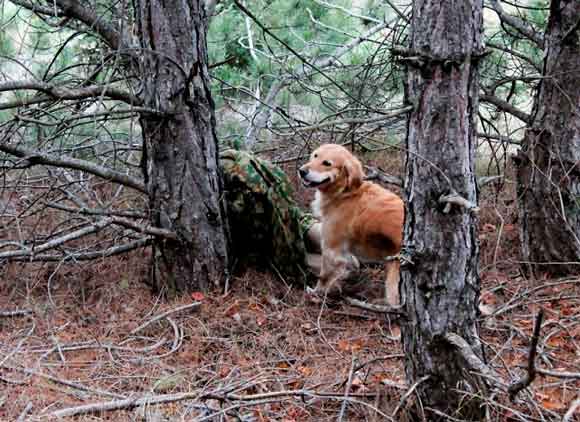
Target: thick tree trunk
{"points": [[440, 286], [181, 162], [548, 167]]}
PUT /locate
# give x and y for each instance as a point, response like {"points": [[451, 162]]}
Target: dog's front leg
{"points": [[392, 270], [336, 268]]}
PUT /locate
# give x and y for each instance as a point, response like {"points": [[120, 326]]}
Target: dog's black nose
{"points": [[302, 172]]}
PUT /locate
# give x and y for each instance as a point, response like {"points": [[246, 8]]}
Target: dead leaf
{"points": [[350, 345], [234, 308], [488, 228], [198, 296]]}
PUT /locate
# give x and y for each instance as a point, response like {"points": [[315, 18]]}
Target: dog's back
{"points": [[369, 221]]}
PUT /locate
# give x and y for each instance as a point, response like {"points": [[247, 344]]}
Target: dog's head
{"points": [[332, 168]]}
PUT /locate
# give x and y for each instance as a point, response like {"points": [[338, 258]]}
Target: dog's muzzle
{"points": [[310, 179]]}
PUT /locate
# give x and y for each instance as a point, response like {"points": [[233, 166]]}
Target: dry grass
{"points": [[261, 337]]}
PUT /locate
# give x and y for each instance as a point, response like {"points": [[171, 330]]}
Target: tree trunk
{"points": [[440, 286], [180, 160], [548, 167]]}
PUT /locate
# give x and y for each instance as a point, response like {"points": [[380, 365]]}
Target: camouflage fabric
{"points": [[267, 226]]}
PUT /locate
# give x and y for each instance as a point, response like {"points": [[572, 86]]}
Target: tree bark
{"points": [[180, 160], [440, 285], [548, 168]]}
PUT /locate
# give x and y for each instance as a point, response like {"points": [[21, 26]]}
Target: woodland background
{"points": [[79, 323]]}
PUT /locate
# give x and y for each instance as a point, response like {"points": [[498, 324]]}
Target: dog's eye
{"points": [[326, 163], [315, 155]]}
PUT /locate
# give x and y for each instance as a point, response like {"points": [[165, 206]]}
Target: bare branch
{"points": [[196, 395], [572, 410], [77, 11], [372, 307], [165, 314], [86, 256], [262, 116], [143, 228], [408, 394], [373, 173], [474, 362], [96, 211], [515, 53], [68, 383], [77, 234], [507, 107], [37, 8], [518, 24], [398, 12], [27, 409], [455, 199], [558, 374], [59, 93], [530, 375], [347, 11], [15, 313], [355, 121], [35, 157]]}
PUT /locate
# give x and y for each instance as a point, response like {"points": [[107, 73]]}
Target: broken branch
{"points": [[530, 375], [455, 199]]}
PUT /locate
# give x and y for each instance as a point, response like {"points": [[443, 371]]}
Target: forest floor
{"points": [[261, 351]]}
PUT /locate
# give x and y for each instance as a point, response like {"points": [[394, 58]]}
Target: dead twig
{"points": [[374, 173], [25, 412], [167, 398], [75, 385], [530, 375], [347, 390], [372, 307], [558, 374], [455, 199], [15, 313], [572, 410], [408, 394], [165, 314], [471, 359]]}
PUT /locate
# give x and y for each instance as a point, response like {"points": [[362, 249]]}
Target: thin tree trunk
{"points": [[181, 162], [548, 167], [440, 287]]}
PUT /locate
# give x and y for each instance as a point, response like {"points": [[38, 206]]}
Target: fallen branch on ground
{"points": [[572, 410], [75, 385], [25, 412], [167, 398], [530, 375], [165, 314], [372, 307], [476, 364], [558, 374], [15, 313], [408, 394], [473, 361]]}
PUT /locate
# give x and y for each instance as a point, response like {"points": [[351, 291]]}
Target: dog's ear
{"points": [[354, 173]]}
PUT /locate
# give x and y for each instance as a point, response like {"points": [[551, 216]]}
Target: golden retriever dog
{"points": [[360, 220]]}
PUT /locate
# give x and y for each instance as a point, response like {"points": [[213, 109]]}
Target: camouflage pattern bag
{"points": [[266, 224]]}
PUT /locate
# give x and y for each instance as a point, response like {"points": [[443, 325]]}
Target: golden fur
{"points": [[360, 220]]}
